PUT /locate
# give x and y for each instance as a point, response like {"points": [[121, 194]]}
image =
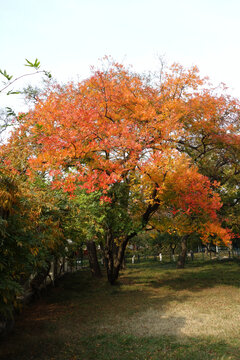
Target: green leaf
{"points": [[10, 112], [38, 126], [5, 74], [21, 116], [29, 63], [35, 65], [48, 74], [11, 92]]}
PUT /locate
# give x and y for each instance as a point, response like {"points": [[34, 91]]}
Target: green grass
{"points": [[153, 312]]}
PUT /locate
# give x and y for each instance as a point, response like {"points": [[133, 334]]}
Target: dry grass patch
{"points": [[212, 312], [154, 309], [191, 303]]}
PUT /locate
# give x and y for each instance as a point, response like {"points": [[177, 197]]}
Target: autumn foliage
{"points": [[118, 133]]}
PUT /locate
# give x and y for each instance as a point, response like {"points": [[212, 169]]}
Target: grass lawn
{"points": [[154, 312]]}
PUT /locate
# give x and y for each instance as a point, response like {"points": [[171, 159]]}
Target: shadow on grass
{"points": [[119, 347], [79, 318], [195, 277], [76, 320], [127, 347]]}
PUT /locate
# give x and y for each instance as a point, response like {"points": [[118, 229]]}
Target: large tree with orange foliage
{"points": [[116, 134]]}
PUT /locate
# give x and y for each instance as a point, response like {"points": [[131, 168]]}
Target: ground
{"points": [[153, 312]]}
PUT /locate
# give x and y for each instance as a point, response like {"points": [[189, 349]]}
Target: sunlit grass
{"points": [[154, 312]]}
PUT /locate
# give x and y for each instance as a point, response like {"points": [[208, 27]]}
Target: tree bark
{"points": [[114, 256], [55, 269], [123, 265], [172, 252], [183, 253], [111, 258], [93, 261]]}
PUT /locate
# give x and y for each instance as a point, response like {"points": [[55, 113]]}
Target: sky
{"points": [[68, 36]]}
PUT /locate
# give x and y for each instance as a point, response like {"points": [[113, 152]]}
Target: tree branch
{"points": [[20, 77]]}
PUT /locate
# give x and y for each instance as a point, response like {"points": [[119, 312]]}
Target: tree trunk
{"points": [[123, 265], [55, 269], [103, 255], [92, 257], [183, 253], [114, 255], [172, 253]]}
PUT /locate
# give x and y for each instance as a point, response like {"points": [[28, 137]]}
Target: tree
{"points": [[212, 140], [84, 224], [191, 206], [30, 230], [31, 234], [116, 134]]}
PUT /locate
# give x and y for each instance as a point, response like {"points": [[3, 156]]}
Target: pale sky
{"points": [[70, 35]]}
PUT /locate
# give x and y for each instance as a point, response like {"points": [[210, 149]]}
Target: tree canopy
{"points": [[141, 145]]}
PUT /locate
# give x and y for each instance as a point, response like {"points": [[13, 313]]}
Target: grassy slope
{"points": [[154, 312]]}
